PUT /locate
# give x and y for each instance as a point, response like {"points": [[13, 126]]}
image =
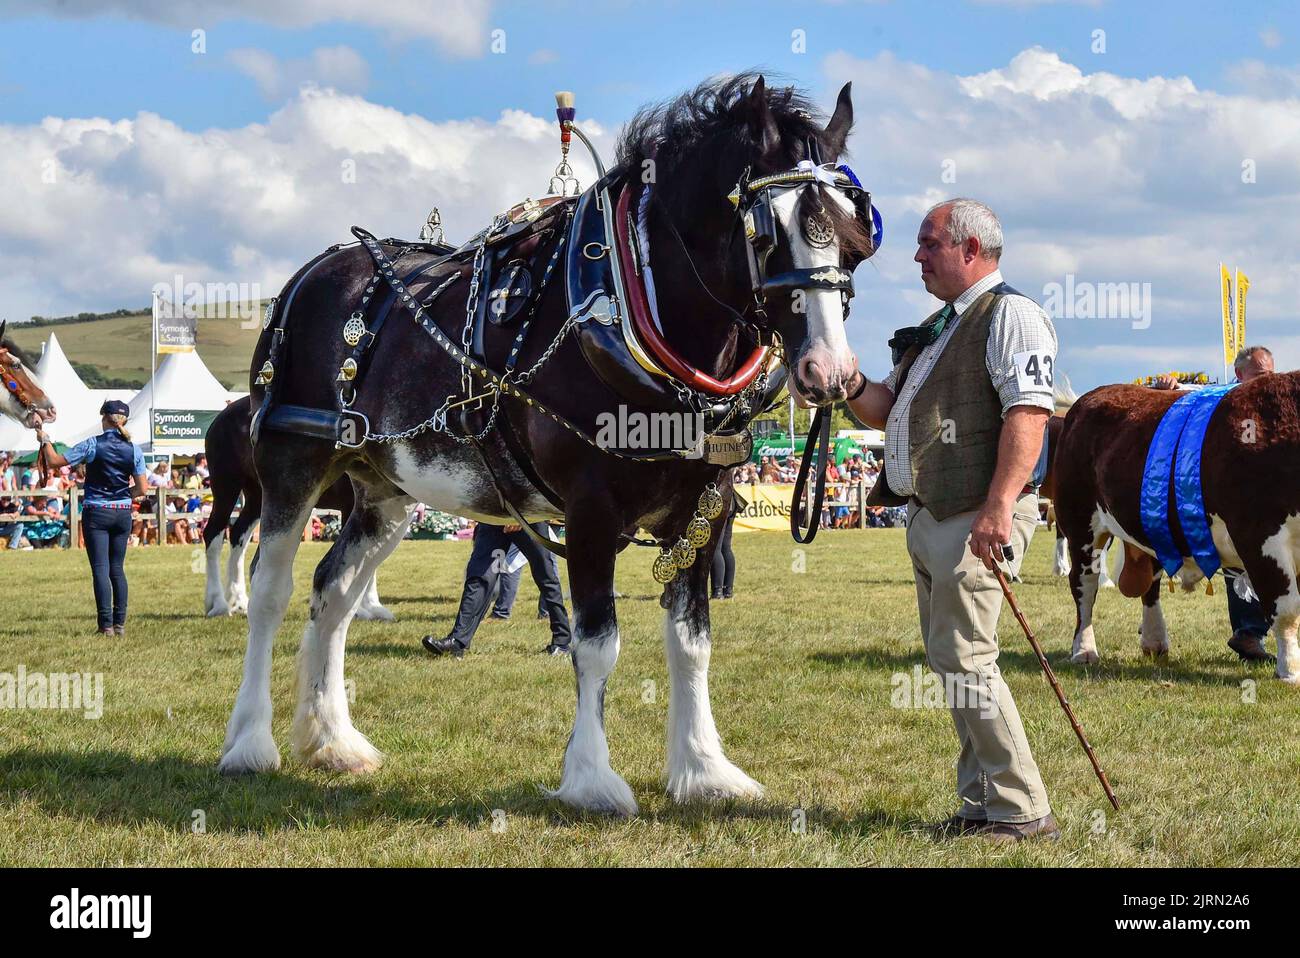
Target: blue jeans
{"points": [[107, 532], [14, 530]]}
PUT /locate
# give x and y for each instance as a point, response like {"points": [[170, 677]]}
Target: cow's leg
{"points": [[588, 781], [1083, 586], [697, 767], [371, 609], [1155, 636], [323, 735], [1062, 566], [249, 746], [1103, 561], [1272, 571]]}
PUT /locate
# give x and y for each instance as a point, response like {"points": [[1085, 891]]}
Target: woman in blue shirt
{"points": [[112, 461]]}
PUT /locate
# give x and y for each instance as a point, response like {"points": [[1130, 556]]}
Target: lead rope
{"points": [[819, 432]]}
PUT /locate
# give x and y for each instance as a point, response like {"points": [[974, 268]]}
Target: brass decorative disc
{"points": [[665, 568], [683, 554], [698, 531], [267, 311], [710, 505], [354, 329]]}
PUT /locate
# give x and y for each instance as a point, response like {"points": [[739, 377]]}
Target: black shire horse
{"points": [[383, 361]]}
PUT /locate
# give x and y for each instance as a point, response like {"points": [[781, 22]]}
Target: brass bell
{"points": [[265, 374], [348, 371], [710, 504], [664, 568], [683, 554], [698, 531]]}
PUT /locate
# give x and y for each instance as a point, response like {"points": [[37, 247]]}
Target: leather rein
{"points": [[13, 373]]}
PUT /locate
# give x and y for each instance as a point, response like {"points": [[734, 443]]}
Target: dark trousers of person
{"points": [[487, 565], [107, 532], [507, 589], [1246, 615], [724, 560]]}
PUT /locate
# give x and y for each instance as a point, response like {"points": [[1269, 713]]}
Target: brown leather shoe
{"points": [[1250, 647], [1010, 832], [955, 827]]}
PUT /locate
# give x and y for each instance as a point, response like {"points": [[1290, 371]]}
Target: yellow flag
{"points": [[1243, 284], [1229, 320]]}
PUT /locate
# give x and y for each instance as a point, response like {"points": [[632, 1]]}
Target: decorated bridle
{"points": [[753, 200], [14, 376]]}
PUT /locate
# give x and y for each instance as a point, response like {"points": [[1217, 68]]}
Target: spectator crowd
{"points": [[840, 509]]}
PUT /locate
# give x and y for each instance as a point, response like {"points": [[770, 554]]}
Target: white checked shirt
{"points": [[1020, 357]]}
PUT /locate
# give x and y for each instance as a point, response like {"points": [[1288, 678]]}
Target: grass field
{"points": [[801, 684], [119, 345]]}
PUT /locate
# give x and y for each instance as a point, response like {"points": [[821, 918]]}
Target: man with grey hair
{"points": [[964, 412]]}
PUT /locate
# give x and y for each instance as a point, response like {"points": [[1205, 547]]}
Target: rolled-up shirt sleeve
{"points": [[138, 465], [83, 451], [890, 382], [1021, 355]]}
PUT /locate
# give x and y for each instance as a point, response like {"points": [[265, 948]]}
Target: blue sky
{"points": [[1108, 167]]}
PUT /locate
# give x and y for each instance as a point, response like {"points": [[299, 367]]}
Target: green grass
{"points": [[119, 345], [801, 690]]}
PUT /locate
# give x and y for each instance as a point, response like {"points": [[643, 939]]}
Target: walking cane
{"points": [[1051, 677]]}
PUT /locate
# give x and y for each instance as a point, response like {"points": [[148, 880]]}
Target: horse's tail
{"points": [[1063, 394]]}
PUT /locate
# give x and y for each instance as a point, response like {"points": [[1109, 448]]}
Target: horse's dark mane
{"points": [[23, 355], [679, 126], [709, 126]]}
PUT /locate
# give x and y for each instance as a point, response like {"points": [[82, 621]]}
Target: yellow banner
{"points": [[1229, 321], [1243, 284], [769, 506]]}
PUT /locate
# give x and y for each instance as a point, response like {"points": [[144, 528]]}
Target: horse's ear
{"points": [[3, 324], [837, 130], [761, 123]]}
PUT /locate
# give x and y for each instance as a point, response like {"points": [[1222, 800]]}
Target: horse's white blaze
{"points": [[214, 595], [452, 487], [828, 345], [588, 781], [697, 767], [323, 733]]}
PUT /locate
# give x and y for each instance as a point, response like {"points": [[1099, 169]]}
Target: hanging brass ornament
{"points": [[665, 568], [710, 505], [698, 531], [354, 329], [683, 554]]}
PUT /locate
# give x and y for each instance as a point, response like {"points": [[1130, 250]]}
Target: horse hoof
{"points": [[718, 781], [249, 755], [348, 753], [601, 793], [1291, 680], [1089, 657], [375, 613], [1158, 652]]}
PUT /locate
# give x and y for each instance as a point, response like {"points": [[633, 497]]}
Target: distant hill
{"points": [[116, 346]]}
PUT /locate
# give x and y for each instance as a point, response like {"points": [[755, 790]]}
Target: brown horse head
{"points": [[22, 398]]}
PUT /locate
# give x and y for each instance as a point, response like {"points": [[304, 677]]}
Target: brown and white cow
{"points": [[1250, 478]]}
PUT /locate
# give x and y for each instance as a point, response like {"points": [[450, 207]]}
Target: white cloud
{"points": [[339, 67], [135, 201], [458, 26], [1270, 37], [1111, 178]]}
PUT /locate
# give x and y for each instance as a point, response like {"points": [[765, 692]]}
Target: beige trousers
{"points": [[959, 602]]}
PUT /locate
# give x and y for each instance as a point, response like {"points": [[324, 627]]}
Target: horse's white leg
{"points": [[323, 734], [236, 590], [249, 745], [697, 767], [214, 594], [371, 608], [1062, 566]]}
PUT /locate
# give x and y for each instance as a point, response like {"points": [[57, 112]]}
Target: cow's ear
{"points": [[837, 130]]}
